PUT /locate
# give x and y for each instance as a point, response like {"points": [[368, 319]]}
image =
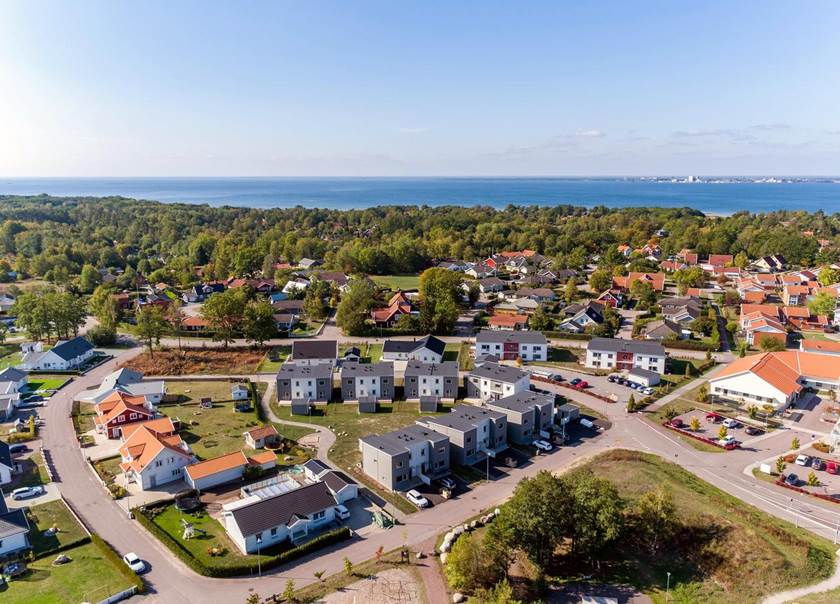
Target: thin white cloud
{"points": [[768, 127], [590, 134]]}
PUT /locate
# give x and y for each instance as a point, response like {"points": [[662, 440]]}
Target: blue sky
{"points": [[426, 88]]}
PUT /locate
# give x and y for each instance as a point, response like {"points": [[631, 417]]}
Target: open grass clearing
{"points": [[397, 282], [273, 359], [209, 432], [53, 514], [90, 577], [9, 355], [452, 351], [369, 352], [724, 550], [46, 382], [169, 361], [32, 473]]}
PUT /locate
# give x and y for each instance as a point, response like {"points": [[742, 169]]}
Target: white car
{"points": [[134, 562], [803, 460], [727, 440], [417, 499], [341, 512], [730, 423], [27, 492], [648, 391], [543, 445]]}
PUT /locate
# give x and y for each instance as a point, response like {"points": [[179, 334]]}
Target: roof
{"points": [[522, 401], [296, 370], [619, 345], [262, 432], [161, 425], [662, 328], [68, 350], [446, 368], [336, 481], [117, 404], [508, 320], [462, 418], [354, 368], [434, 344], [5, 455], [314, 349], [489, 336], [397, 441], [144, 443], [262, 457], [122, 376], [644, 373], [216, 465], [494, 371], [13, 523], [820, 346], [768, 367], [316, 466], [282, 509], [10, 374]]}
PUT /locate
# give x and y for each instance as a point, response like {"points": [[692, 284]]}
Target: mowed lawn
{"points": [[9, 355], [90, 577], [209, 432], [724, 550], [395, 282], [46, 382], [49, 515]]}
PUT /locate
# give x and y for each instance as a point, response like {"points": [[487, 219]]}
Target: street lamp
{"points": [[668, 586], [259, 562]]}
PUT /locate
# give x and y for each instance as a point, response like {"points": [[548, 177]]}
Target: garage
{"points": [[643, 377], [216, 471]]}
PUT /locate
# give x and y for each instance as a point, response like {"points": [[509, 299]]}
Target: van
{"points": [[341, 512], [586, 423]]}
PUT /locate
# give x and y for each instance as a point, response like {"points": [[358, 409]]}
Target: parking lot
{"points": [[827, 472], [711, 423]]}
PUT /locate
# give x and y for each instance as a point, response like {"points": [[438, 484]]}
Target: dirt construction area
{"points": [[197, 361], [394, 585]]}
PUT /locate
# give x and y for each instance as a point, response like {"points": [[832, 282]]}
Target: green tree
{"points": [[253, 598], [780, 464], [723, 433], [828, 276], [703, 393], [599, 280], [540, 321], [151, 326], [631, 404], [348, 567], [355, 306], [258, 323], [224, 314], [596, 514], [33, 315], [471, 565], [794, 444], [501, 593], [104, 307], [289, 592], [319, 574], [813, 480], [439, 294], [695, 424], [315, 299], [654, 519], [89, 278], [771, 345], [741, 260], [571, 290], [752, 410], [822, 303]]}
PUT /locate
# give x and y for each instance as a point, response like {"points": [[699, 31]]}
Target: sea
{"points": [[717, 198]]}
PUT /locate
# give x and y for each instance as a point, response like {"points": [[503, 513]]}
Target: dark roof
{"points": [[397, 441], [522, 401], [280, 509], [494, 371], [13, 523], [619, 345], [462, 418], [336, 481], [288, 305], [10, 374], [71, 349], [446, 368], [298, 370], [645, 373], [5, 455], [434, 344], [352, 351], [316, 465], [519, 337], [314, 349], [353, 368]]}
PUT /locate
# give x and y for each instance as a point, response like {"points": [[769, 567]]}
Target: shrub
{"points": [[109, 553]]}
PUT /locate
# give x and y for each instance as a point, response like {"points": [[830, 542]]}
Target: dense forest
{"points": [[56, 238]]}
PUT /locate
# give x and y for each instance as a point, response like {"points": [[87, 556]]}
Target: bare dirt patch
{"points": [[198, 361]]}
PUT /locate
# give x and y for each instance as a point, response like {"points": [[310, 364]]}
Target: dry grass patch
{"points": [[198, 361]]}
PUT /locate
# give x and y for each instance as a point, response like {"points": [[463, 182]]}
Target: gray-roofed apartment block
{"points": [[404, 458], [313, 382], [493, 381], [431, 379], [472, 432], [367, 381], [527, 413]]}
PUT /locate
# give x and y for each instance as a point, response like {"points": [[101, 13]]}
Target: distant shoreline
{"points": [[713, 198]]}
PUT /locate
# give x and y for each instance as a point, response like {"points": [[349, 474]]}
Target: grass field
{"points": [[825, 597], [87, 411], [269, 366], [9, 355], [452, 351], [209, 432], [349, 426], [370, 353], [33, 472], [49, 515], [724, 549], [395, 282], [90, 577], [46, 382]]}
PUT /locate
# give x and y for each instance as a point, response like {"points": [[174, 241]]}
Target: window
{"points": [[274, 532], [158, 463]]}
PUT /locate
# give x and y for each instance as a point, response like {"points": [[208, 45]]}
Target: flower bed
{"points": [[702, 439]]}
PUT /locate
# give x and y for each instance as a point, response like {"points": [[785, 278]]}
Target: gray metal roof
{"points": [[522, 401], [353, 369], [434, 344], [462, 417], [489, 336], [316, 466], [396, 441], [314, 349], [445, 369], [71, 349], [494, 371], [296, 370], [13, 523], [280, 509], [644, 373], [336, 480], [10, 374], [619, 345]]}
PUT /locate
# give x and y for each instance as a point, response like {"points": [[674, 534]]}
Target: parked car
{"points": [[677, 422], [582, 384], [648, 391], [730, 423], [792, 479], [448, 483], [803, 460], [417, 499], [18, 448], [543, 445], [341, 512], [556, 377], [832, 467], [727, 440], [27, 492], [612, 379], [817, 463], [575, 381], [753, 430], [134, 562]]}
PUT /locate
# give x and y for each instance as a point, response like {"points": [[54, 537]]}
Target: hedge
{"points": [[255, 400], [563, 335], [246, 567], [63, 548], [117, 561], [687, 345]]}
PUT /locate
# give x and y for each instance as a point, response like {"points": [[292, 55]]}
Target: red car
{"points": [[677, 422], [831, 467], [713, 417], [582, 384]]}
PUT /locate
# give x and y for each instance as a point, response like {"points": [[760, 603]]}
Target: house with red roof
{"points": [[119, 409], [656, 280], [150, 458]]}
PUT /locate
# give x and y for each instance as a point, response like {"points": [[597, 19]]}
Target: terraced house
{"points": [[367, 380], [507, 345], [474, 433], [305, 382], [404, 458]]}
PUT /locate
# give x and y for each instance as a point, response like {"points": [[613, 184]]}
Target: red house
{"points": [[118, 410]]}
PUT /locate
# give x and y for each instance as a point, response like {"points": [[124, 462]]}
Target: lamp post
{"points": [[668, 586], [259, 562]]}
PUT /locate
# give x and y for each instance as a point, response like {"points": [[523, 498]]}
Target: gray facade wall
{"points": [[412, 388], [386, 388], [323, 390]]}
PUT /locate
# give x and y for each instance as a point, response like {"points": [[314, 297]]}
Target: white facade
{"points": [[527, 352], [491, 389], [48, 360], [14, 543], [167, 466], [430, 385], [368, 385], [598, 359], [303, 388], [750, 389], [301, 527], [5, 474]]}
